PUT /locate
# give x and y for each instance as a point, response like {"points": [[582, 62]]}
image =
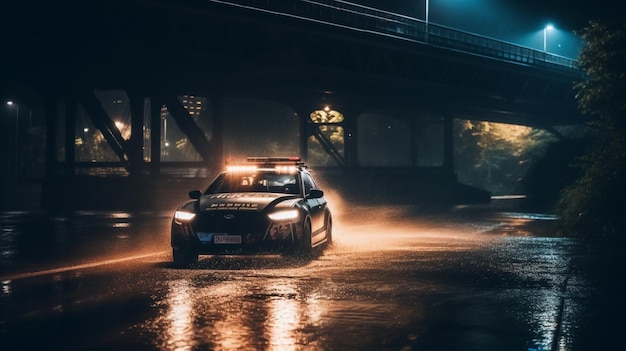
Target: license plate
{"points": [[227, 239], [204, 237]]}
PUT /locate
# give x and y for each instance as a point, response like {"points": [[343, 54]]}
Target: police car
{"points": [[262, 205]]}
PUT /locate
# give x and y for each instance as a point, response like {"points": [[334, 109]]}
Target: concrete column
{"points": [[217, 139], [303, 116], [448, 143], [413, 153], [155, 136], [51, 107], [351, 145], [70, 136], [49, 187], [136, 138]]}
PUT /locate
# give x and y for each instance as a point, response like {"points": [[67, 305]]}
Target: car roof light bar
{"points": [[293, 160], [241, 168]]}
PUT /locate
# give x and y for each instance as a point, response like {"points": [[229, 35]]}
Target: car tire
{"points": [[329, 230], [183, 257], [305, 246]]}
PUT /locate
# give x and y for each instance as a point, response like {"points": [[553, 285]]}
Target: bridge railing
{"points": [[367, 19]]}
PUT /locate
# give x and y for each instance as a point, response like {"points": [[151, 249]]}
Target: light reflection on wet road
{"points": [[466, 280]]}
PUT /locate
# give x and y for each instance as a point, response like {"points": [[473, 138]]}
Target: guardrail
{"points": [[367, 19]]}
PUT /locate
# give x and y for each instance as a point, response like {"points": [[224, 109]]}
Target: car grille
{"points": [[232, 222]]}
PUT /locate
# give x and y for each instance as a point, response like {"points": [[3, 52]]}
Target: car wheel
{"points": [[183, 257], [305, 246], [329, 231]]}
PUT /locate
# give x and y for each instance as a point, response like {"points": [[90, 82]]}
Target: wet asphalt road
{"points": [[468, 279]]}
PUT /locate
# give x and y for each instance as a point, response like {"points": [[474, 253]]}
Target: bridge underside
{"points": [[158, 52]]}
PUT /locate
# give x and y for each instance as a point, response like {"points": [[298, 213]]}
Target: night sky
{"points": [[575, 14], [566, 14]]}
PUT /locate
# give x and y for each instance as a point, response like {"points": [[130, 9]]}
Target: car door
{"points": [[318, 208]]}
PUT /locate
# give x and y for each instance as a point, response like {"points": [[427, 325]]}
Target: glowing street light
{"points": [[426, 20], [545, 36]]}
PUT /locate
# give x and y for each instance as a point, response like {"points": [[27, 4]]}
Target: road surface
{"points": [[471, 278]]}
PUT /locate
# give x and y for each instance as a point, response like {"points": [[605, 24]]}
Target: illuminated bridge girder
{"points": [[188, 126], [107, 127], [326, 144]]}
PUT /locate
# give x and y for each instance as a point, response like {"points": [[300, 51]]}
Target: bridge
{"points": [[323, 71]]}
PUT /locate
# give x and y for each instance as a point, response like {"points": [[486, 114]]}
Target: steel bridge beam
{"points": [[188, 126], [107, 127]]}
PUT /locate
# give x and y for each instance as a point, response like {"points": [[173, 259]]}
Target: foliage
{"points": [[594, 207], [495, 156], [553, 171]]}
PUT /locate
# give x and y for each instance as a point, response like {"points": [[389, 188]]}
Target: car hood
{"points": [[244, 201]]}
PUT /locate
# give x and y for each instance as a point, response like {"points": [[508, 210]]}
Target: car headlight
{"points": [[284, 215], [184, 216]]}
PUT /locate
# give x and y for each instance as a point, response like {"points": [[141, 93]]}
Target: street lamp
{"points": [[545, 36], [17, 135], [426, 20]]}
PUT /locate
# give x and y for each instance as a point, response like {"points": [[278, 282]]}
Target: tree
{"points": [[594, 207], [496, 156]]}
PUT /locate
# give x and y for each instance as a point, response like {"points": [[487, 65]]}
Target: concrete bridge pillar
{"points": [[155, 135], [448, 143], [135, 143], [217, 137]]}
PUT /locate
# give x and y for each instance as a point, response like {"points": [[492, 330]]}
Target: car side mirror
{"points": [[316, 194], [195, 194]]}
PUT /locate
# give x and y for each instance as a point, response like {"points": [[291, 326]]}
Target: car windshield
{"points": [[265, 182]]}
